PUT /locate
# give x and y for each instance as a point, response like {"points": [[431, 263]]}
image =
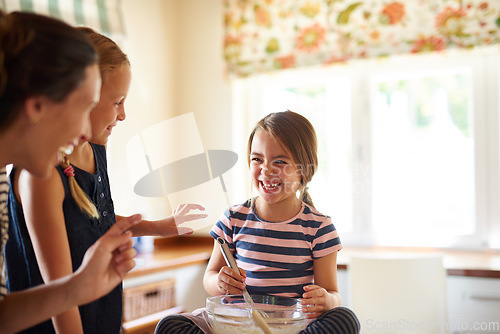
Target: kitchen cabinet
{"points": [[173, 270], [473, 287], [474, 305]]}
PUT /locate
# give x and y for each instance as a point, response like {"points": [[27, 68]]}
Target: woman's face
{"points": [[111, 106], [62, 124]]}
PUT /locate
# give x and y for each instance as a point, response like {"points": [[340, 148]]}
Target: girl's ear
{"points": [[34, 108]]}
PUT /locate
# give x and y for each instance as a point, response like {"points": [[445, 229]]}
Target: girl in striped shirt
{"points": [[282, 245]]}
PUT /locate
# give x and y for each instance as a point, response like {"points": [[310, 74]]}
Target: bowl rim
{"points": [[294, 303]]}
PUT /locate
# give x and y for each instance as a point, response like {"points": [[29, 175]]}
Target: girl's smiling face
{"points": [[273, 170], [111, 108]]}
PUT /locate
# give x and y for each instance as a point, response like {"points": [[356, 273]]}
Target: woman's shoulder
{"points": [[53, 182]]}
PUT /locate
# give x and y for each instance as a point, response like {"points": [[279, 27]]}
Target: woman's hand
{"points": [[316, 300], [230, 282]]}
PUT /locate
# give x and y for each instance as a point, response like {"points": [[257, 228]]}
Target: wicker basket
{"points": [[146, 299]]}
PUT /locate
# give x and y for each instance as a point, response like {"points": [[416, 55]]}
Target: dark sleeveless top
{"points": [[103, 315]]}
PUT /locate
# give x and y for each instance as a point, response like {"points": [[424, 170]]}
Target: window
{"points": [[422, 147], [408, 146]]}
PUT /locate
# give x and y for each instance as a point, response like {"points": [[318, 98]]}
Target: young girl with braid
{"points": [[76, 207], [282, 245]]}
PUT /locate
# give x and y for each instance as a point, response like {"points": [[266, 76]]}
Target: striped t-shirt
{"points": [[4, 228], [277, 256]]}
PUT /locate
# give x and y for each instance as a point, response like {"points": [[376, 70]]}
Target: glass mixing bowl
{"points": [[230, 314]]}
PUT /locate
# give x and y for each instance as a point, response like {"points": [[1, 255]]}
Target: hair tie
{"points": [[69, 171]]}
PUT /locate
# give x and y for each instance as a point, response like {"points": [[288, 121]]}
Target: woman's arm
{"points": [[42, 201], [323, 295], [103, 267], [219, 278]]}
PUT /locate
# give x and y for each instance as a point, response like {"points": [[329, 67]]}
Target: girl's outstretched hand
{"points": [[182, 213], [169, 226], [316, 300], [230, 282]]}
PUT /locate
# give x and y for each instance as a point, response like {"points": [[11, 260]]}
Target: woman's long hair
{"points": [[39, 55]]}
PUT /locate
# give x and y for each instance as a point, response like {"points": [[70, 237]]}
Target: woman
{"points": [[49, 82]]}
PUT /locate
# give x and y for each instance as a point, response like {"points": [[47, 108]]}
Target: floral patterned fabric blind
{"points": [[266, 35]]}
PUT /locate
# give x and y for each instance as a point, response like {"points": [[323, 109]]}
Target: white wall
{"points": [[203, 88], [175, 49]]}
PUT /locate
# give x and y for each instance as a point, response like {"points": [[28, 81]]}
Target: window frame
{"points": [[485, 64]]}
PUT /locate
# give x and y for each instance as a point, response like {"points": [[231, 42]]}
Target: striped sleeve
{"points": [[223, 229], [326, 240], [4, 226]]}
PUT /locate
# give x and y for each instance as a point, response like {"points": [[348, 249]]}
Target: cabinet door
{"points": [[474, 305]]}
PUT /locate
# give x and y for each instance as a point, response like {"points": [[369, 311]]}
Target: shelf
{"points": [[147, 324], [168, 254], [172, 253]]}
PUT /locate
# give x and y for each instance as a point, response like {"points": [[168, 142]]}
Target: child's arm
{"points": [[220, 279], [42, 201], [168, 227], [323, 295]]}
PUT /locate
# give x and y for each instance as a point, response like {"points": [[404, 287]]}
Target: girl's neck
{"points": [[83, 157], [277, 212]]}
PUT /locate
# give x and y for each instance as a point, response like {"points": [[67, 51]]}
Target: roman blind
{"points": [[102, 15], [267, 35]]}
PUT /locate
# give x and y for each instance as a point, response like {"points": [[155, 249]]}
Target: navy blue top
{"points": [[103, 315]]}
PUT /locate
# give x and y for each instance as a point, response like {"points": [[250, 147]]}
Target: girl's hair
{"points": [[80, 197], [297, 135], [39, 56], [111, 57]]}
